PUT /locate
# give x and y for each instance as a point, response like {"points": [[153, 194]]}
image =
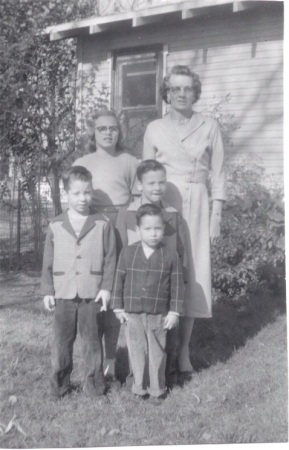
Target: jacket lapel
{"points": [[88, 225], [67, 225]]}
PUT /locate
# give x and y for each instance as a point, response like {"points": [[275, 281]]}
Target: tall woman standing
{"points": [[113, 176], [190, 145]]}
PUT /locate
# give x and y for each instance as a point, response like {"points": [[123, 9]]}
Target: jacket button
{"points": [[78, 243], [143, 289], [76, 273], [78, 257]]}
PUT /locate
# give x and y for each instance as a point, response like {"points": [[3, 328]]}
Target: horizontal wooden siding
{"points": [[239, 54]]}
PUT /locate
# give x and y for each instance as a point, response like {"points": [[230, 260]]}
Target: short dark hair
{"points": [[75, 173], [148, 165], [181, 70], [148, 209]]}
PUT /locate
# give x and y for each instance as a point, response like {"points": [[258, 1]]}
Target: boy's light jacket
{"points": [[78, 265]]}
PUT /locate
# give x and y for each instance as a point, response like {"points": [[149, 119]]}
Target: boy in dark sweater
{"points": [[151, 182]]}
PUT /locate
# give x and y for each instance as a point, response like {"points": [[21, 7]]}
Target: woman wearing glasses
{"points": [[189, 145], [113, 170], [113, 176]]}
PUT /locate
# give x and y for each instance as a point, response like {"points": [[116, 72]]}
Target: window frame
{"points": [[136, 53]]}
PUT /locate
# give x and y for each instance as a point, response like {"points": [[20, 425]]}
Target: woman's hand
{"points": [[215, 227], [105, 297], [215, 222]]}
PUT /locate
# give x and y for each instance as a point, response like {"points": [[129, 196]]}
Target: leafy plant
{"points": [[251, 250]]}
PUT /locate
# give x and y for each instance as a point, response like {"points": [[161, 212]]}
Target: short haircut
{"points": [[75, 173], [148, 165], [148, 209], [181, 70]]}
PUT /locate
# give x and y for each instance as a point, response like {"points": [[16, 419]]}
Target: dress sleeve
{"points": [[47, 286], [217, 164], [149, 149], [181, 246]]}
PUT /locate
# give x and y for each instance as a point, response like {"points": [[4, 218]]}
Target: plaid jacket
{"points": [[152, 285], [174, 236]]}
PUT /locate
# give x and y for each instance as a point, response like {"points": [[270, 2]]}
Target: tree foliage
{"points": [[37, 93], [37, 96]]}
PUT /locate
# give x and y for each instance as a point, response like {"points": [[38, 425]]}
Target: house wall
{"points": [[240, 54]]}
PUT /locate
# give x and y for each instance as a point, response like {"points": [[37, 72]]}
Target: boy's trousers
{"points": [[146, 345], [69, 314]]}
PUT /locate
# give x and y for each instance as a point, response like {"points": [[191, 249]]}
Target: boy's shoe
{"points": [[157, 401], [92, 391], [172, 380], [112, 382], [134, 398], [55, 397], [184, 377], [128, 382]]}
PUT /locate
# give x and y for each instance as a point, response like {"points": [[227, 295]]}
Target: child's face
{"points": [[106, 132], [151, 230], [79, 196], [152, 186]]}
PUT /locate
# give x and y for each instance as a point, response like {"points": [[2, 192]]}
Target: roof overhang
{"points": [[178, 11]]}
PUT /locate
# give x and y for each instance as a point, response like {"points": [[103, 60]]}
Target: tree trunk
{"points": [[55, 191]]}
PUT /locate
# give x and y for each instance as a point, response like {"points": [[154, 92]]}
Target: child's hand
{"points": [[171, 321], [105, 297], [121, 316], [49, 302]]}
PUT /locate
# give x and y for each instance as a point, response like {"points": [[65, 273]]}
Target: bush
{"points": [[251, 250]]}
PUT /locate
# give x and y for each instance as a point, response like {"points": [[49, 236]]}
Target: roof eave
{"points": [[182, 11]]}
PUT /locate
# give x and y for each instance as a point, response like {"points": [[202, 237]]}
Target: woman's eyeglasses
{"points": [[103, 130], [178, 89]]}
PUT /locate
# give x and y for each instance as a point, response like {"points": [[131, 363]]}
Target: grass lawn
{"points": [[237, 395]]}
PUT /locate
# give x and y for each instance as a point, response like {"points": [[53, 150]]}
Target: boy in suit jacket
{"points": [[78, 268]]}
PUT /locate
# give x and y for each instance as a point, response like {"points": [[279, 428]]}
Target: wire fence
{"points": [[23, 223]]}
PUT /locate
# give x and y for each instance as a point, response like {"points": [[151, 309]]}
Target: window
{"points": [[137, 77]]}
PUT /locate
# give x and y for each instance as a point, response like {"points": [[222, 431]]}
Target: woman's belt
{"points": [[201, 178]]}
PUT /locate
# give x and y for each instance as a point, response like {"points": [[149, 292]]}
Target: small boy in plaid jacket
{"points": [[148, 295]]}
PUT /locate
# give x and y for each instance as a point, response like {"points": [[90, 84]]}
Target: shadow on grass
{"points": [[215, 340]]}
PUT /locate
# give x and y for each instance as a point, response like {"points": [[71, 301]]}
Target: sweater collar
{"points": [[196, 121]]}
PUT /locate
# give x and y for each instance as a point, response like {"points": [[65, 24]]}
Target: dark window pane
{"points": [[139, 84]]}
